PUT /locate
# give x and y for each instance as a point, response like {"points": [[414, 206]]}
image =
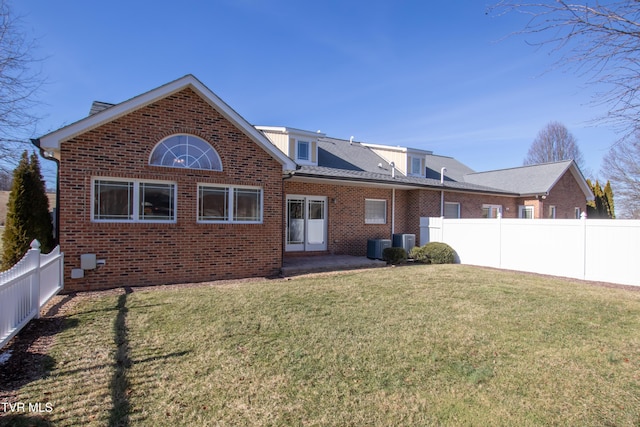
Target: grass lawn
{"points": [[417, 345]]}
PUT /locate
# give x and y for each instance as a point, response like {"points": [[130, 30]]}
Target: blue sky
{"points": [[438, 76]]}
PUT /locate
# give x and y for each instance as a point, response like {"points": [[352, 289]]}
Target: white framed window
{"points": [[451, 210], [577, 212], [525, 212], [121, 200], [185, 151], [491, 211], [416, 166], [303, 151], [375, 211], [552, 212], [228, 204]]}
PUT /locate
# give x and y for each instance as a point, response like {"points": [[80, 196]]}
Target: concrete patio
{"points": [[296, 265]]}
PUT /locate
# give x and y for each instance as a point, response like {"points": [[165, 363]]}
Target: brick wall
{"points": [[347, 231], [566, 195], [151, 254]]}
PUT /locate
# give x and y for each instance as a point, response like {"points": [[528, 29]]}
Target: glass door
{"points": [[306, 223]]}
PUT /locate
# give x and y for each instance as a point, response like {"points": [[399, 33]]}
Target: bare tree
{"points": [[601, 41], [622, 167], [553, 144], [19, 81]]}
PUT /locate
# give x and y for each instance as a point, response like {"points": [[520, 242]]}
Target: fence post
{"points": [[35, 278], [583, 220], [499, 219]]}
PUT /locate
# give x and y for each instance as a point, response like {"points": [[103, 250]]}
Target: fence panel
{"points": [[18, 291], [51, 275], [612, 251], [600, 250], [26, 287]]}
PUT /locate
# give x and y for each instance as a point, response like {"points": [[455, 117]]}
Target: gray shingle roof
{"points": [[525, 180], [455, 170], [341, 154], [399, 180], [340, 159]]}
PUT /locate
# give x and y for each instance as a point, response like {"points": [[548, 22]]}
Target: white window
{"points": [[451, 210], [525, 212], [375, 211], [185, 151], [116, 200], [218, 203], [304, 151], [416, 166], [491, 211], [552, 212], [577, 212]]}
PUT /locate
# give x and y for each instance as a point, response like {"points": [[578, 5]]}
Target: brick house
{"points": [[175, 186]]}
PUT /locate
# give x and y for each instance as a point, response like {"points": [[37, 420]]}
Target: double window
{"points": [[218, 203], [116, 200], [525, 212], [491, 211]]}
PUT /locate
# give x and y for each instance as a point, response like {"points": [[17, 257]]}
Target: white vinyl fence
{"points": [[27, 287], [589, 249]]}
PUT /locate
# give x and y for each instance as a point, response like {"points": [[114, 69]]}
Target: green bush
{"points": [[394, 255], [433, 253]]}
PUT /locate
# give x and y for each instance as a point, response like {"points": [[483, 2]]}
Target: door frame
{"points": [[306, 245]]}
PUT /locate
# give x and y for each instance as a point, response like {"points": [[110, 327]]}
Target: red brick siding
{"points": [[347, 231], [151, 254], [566, 195]]}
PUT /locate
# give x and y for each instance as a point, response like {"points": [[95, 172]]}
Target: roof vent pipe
{"points": [[442, 171], [393, 169]]}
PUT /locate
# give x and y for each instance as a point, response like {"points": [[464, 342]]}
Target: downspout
{"points": [[393, 200], [442, 171], [36, 143], [393, 211], [283, 227]]}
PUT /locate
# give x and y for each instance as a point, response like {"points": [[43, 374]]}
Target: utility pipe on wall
{"points": [[442, 171]]}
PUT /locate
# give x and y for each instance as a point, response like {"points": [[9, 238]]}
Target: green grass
{"points": [[418, 345]]}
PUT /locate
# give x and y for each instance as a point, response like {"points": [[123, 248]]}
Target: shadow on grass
{"points": [[119, 382]]}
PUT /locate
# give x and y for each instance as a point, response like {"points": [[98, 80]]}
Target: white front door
{"points": [[306, 223]]}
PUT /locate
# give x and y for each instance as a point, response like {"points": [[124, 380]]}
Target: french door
{"points": [[306, 223]]}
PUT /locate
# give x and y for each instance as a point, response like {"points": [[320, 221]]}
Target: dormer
{"points": [[409, 161], [300, 145]]}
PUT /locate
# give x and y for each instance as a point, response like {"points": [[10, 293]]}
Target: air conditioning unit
{"points": [[376, 246], [406, 241]]}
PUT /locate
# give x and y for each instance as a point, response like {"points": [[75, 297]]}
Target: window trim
{"points": [[308, 145], [491, 207], [523, 208], [136, 205], [457, 204], [372, 221], [231, 202], [420, 167]]}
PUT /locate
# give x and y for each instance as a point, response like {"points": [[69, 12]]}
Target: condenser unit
{"points": [[406, 241], [376, 246]]}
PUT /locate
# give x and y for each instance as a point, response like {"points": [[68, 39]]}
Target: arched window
{"points": [[185, 151]]}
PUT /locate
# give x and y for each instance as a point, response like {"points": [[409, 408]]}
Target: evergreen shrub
{"points": [[433, 253]]}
